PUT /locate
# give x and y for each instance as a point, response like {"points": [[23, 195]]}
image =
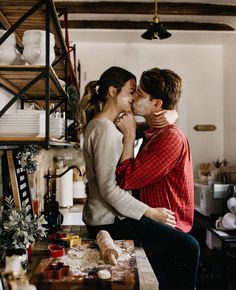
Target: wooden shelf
{"points": [[11, 141], [34, 83], [16, 77]]}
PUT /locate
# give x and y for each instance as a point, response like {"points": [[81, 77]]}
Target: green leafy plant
{"points": [[27, 157], [17, 229]]}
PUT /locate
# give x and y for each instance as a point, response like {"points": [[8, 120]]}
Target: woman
{"points": [[107, 206]]}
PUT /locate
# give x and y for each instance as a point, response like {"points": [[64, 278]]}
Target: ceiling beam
{"points": [[174, 25], [171, 8]]}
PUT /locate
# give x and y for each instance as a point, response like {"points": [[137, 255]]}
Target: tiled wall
{"points": [[46, 159]]}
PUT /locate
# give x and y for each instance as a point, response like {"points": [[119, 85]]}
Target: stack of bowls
{"points": [[7, 49], [35, 47]]}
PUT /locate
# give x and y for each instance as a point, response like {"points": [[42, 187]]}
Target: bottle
{"points": [[52, 214]]}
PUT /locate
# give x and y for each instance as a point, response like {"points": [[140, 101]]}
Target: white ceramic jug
{"points": [[36, 54], [35, 47], [37, 37], [7, 49]]}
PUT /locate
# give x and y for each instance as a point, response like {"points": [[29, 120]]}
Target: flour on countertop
{"points": [[84, 258]]}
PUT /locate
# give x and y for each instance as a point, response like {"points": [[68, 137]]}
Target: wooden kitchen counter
{"points": [[146, 279]]}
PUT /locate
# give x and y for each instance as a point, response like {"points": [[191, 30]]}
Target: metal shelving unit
{"points": [[39, 84]]}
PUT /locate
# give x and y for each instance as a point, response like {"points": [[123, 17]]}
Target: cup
{"points": [[229, 221], [231, 204], [218, 224]]}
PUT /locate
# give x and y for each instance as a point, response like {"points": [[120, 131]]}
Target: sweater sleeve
{"points": [[152, 163], [107, 147]]}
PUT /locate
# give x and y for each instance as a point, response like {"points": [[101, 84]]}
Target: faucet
{"points": [[49, 176]]}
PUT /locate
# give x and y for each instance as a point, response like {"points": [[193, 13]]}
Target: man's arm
{"points": [[157, 119], [155, 160]]}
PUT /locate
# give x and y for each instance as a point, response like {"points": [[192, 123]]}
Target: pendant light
{"points": [[156, 29]]}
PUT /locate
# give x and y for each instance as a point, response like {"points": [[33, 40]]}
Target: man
{"points": [[161, 173]]}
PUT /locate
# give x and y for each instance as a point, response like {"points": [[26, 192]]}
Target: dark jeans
{"points": [[173, 254]]}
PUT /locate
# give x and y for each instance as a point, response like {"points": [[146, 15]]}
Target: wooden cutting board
{"points": [[124, 276]]}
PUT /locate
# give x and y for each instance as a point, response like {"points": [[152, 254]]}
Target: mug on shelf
{"points": [[227, 222], [218, 224]]}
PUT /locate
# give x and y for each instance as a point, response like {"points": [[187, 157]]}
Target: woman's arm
{"points": [[127, 125]]}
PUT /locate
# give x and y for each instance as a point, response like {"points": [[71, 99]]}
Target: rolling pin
{"points": [[107, 247]]}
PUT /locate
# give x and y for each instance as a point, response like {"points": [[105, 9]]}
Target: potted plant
{"points": [[18, 230]]}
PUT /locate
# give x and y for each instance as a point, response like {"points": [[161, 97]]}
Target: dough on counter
{"points": [[104, 274]]}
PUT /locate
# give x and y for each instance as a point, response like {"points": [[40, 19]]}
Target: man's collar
{"points": [[149, 133]]}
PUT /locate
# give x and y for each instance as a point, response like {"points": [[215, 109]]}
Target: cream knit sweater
{"points": [[102, 150]]}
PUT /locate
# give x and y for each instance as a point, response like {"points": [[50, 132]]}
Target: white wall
{"points": [[230, 100], [201, 68]]}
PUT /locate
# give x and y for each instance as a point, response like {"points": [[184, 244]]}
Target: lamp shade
{"points": [[156, 30]]}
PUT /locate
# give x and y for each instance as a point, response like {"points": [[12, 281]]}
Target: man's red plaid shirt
{"points": [[162, 173]]}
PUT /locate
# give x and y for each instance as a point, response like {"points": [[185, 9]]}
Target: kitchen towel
{"points": [[64, 188]]}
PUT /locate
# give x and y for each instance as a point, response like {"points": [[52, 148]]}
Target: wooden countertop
{"points": [[146, 277]]}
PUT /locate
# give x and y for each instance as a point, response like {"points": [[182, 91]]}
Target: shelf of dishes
{"points": [[30, 33], [30, 124]]}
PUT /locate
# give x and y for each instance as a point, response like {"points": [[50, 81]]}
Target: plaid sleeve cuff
{"points": [[120, 167]]}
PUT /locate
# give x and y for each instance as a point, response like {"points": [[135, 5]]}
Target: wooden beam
{"points": [[91, 24], [7, 25], [171, 8]]}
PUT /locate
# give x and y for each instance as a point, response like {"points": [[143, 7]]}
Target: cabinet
{"points": [[37, 83]]}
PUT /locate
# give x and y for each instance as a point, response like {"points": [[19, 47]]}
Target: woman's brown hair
{"points": [[96, 92]]}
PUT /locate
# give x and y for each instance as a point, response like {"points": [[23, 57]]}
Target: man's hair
{"points": [[162, 84]]}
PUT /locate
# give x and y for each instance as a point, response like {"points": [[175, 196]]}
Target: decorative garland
{"points": [[27, 157]]}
